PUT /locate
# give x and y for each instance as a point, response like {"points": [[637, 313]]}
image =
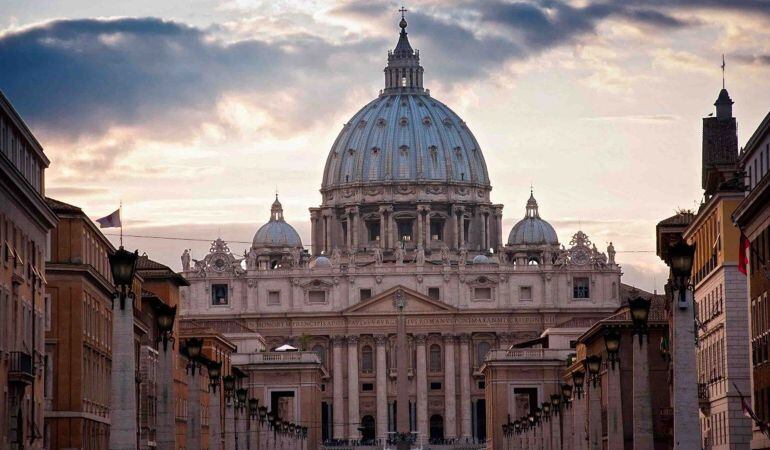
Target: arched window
{"points": [[435, 358], [321, 352], [481, 352], [367, 364]]}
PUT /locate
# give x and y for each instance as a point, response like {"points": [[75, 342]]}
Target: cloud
{"points": [[755, 60], [80, 77], [74, 191]]}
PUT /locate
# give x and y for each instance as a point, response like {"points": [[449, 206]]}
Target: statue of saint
{"points": [[186, 260], [611, 253], [251, 259], [445, 255], [352, 258], [399, 254], [463, 255], [419, 257], [377, 256], [296, 257], [336, 257]]}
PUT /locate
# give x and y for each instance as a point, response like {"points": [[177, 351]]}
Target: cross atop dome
{"points": [[403, 73]]}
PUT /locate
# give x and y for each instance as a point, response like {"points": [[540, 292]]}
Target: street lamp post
{"points": [[642, 427], [683, 338], [615, 436], [238, 406], [123, 405], [593, 366], [228, 386], [579, 411], [253, 414]]}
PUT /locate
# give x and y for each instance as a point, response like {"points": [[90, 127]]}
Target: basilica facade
{"points": [[405, 211]]}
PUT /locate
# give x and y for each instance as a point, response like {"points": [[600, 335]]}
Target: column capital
{"points": [[419, 339], [449, 338], [353, 339], [386, 208], [338, 340], [351, 210], [464, 338], [380, 339]]}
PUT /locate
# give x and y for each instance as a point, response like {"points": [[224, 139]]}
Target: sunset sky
{"points": [[192, 112]]}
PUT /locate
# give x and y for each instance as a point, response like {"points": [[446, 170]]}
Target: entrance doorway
{"points": [[367, 430], [436, 428]]}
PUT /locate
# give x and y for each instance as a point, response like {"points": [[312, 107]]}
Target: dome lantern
{"points": [[276, 232], [404, 72], [532, 230]]}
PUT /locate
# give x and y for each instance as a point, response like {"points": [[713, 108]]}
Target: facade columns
{"points": [[427, 228], [382, 386], [338, 405], [615, 437], [450, 396], [422, 385], [685, 389], [193, 441], [165, 435], [353, 414], [420, 225], [465, 386], [123, 415], [594, 416], [453, 223], [393, 229], [383, 229], [642, 426]]}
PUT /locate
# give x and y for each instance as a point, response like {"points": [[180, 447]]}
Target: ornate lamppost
{"points": [[193, 347], [215, 373], [684, 393], [123, 395], [578, 377], [612, 345], [593, 365], [639, 308], [566, 393]]}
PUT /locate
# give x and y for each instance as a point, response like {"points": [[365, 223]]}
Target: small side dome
{"points": [[276, 232], [532, 230], [321, 262], [481, 259]]}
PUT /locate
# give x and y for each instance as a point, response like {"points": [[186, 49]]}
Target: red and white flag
{"points": [[111, 221], [743, 255]]}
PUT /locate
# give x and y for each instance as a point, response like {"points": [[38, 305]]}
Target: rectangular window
{"points": [[525, 293], [367, 387], [219, 294], [580, 287], [434, 293], [316, 297], [436, 230], [365, 294], [274, 297], [435, 386], [374, 231], [482, 384], [47, 307], [482, 293]]}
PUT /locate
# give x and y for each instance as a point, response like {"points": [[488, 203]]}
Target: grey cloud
{"points": [[759, 60], [84, 76]]}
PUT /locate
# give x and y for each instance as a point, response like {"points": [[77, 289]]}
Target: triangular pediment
{"points": [[383, 303]]}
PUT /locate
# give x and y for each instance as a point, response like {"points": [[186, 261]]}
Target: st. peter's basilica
{"points": [[405, 210]]}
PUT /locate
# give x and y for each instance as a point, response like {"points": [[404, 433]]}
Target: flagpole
{"points": [[120, 214]]}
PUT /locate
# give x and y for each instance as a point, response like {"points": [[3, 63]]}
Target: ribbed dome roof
{"points": [[532, 230], [276, 232], [404, 134], [405, 137]]}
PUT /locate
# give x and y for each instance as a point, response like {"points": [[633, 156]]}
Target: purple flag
{"points": [[111, 221]]}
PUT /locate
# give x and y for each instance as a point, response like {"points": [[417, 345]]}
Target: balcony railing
{"points": [[20, 368], [704, 398], [276, 357]]}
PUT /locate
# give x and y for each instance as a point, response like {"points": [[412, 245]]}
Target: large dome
{"points": [[276, 232], [532, 230], [405, 137]]}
